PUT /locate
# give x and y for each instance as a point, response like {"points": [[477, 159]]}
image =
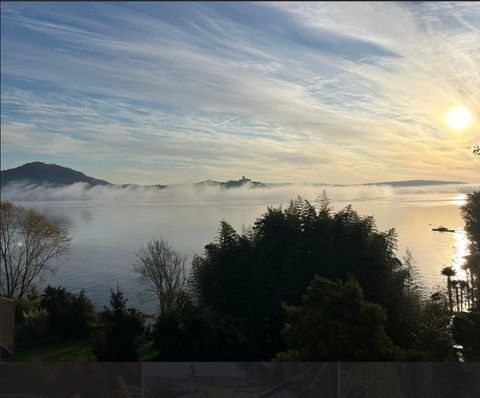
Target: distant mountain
{"points": [[231, 183], [406, 183], [42, 173], [414, 183]]}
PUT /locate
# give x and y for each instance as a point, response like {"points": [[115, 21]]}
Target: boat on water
{"points": [[442, 229]]}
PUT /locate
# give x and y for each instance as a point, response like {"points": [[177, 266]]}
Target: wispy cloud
{"points": [[278, 91]]}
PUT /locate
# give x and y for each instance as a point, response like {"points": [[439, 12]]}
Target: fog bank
{"points": [[192, 193]]}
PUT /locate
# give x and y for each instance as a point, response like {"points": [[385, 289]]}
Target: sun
{"points": [[459, 118]]}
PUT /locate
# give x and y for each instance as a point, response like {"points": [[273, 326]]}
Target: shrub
{"points": [[69, 315], [31, 321], [194, 333]]}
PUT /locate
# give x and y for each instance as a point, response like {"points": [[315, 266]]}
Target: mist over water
{"points": [[109, 224], [190, 193]]}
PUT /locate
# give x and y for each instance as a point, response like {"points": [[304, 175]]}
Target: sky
{"points": [[163, 93]]}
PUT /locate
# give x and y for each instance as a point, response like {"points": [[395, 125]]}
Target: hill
{"points": [[231, 183], [42, 173]]}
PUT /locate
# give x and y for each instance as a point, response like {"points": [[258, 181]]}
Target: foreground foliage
{"points": [[118, 334], [194, 333], [69, 315], [249, 276], [318, 329], [471, 215]]}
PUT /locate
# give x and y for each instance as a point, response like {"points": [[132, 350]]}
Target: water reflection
{"points": [[460, 199], [61, 220], [461, 250]]}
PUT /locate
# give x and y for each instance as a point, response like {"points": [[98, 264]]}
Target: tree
{"points": [[449, 272], [324, 204], [467, 324], [117, 336], [163, 271], [28, 241], [335, 323], [455, 284], [69, 315], [249, 276], [410, 303], [464, 288], [433, 337], [471, 215], [196, 333], [465, 333]]}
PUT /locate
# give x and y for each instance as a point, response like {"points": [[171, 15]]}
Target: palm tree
{"points": [[476, 285], [472, 266], [449, 272], [470, 282], [463, 290], [456, 285]]}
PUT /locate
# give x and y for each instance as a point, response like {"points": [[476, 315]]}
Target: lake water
{"points": [[107, 233]]}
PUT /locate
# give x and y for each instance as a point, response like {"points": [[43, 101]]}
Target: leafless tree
{"points": [[163, 271], [28, 241]]}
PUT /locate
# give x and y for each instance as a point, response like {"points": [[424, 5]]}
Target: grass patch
{"points": [[73, 350], [147, 352]]}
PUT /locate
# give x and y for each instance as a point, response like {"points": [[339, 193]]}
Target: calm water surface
{"points": [[107, 235]]}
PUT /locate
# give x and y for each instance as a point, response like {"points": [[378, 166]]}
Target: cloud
{"points": [[275, 91]]}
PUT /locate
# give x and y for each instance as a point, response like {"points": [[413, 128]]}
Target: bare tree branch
{"points": [[28, 241], [163, 272]]}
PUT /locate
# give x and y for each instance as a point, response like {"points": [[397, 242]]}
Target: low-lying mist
{"points": [[192, 193]]}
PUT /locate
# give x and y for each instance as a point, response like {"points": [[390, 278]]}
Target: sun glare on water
{"points": [[459, 118]]}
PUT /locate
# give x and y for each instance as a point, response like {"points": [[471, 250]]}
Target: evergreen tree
{"points": [[117, 336]]}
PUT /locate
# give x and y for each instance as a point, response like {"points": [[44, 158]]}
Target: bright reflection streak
{"points": [[459, 199], [460, 251]]}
